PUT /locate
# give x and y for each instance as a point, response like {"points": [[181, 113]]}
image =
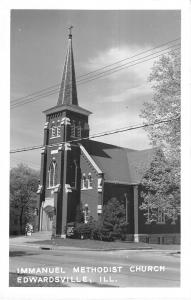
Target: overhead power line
{"points": [[87, 74], [102, 74], [97, 135], [135, 55]]}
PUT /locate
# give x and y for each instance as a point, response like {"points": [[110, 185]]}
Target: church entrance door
{"points": [[47, 213], [48, 217]]}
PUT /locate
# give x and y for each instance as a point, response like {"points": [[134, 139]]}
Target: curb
{"points": [[89, 249], [60, 248]]}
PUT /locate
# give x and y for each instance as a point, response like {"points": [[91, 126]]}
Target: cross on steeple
{"points": [[70, 30]]}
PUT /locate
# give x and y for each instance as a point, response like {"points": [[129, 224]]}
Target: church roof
{"points": [[68, 90], [119, 165], [139, 162], [74, 108]]}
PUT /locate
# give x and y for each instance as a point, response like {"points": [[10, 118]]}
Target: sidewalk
{"points": [[86, 245]]}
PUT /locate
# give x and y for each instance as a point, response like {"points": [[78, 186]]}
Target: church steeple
{"points": [[67, 103], [68, 90]]}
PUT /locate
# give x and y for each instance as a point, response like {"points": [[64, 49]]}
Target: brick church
{"points": [[76, 170]]}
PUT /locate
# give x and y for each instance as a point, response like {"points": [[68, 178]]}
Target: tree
{"points": [[23, 197], [113, 219], [162, 182], [165, 105], [79, 214], [160, 192]]}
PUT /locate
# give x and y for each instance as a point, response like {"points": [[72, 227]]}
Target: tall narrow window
{"points": [[161, 215], [73, 174], [58, 128], [53, 174], [148, 212], [58, 131], [79, 130], [90, 181], [86, 213], [83, 182], [73, 129], [53, 130]]}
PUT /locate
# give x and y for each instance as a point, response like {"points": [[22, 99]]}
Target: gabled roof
{"points": [[119, 165], [139, 162], [74, 108]]}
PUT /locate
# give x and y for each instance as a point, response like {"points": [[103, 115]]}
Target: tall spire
{"points": [[68, 90]]}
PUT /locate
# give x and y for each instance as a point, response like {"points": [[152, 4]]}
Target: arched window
{"points": [[53, 174]]}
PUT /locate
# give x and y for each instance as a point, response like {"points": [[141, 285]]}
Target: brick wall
{"points": [[89, 196]]}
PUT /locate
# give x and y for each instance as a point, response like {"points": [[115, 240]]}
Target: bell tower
{"points": [[66, 124]]}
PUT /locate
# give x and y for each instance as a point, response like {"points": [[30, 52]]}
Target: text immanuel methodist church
{"points": [[78, 171]]}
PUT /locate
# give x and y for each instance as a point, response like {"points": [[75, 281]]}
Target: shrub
{"points": [[82, 230], [110, 227]]}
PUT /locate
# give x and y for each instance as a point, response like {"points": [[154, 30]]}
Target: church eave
{"points": [[74, 108], [90, 159]]}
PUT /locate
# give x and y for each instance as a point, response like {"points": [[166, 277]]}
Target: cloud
{"points": [[135, 139], [131, 66], [117, 99], [128, 95]]}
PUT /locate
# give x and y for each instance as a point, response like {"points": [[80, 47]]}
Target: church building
{"points": [[76, 170]]}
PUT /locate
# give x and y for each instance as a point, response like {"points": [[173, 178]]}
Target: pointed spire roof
{"points": [[68, 90], [67, 99]]}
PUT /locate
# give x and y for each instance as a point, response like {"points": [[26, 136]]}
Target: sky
{"points": [[38, 49]]}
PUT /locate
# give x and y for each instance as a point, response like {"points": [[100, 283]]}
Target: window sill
{"points": [[75, 137], [85, 189], [54, 137], [156, 223], [73, 188]]}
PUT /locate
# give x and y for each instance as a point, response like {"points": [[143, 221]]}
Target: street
{"points": [[78, 267]]}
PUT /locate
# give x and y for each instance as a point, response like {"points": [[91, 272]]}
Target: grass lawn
{"points": [[91, 244]]}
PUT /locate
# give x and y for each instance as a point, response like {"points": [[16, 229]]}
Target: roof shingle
{"points": [[120, 165]]}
